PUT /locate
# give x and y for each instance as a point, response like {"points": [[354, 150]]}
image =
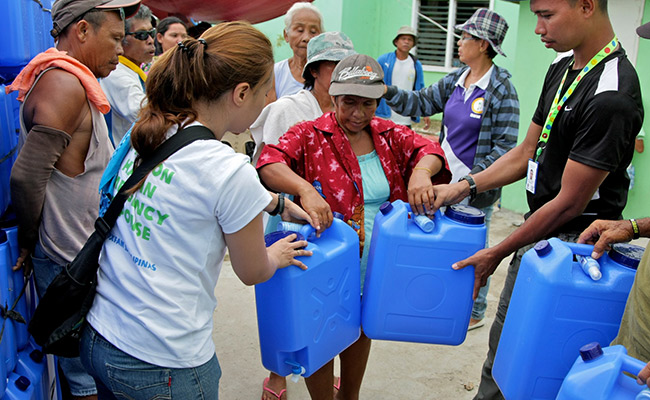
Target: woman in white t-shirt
{"points": [[149, 331]]}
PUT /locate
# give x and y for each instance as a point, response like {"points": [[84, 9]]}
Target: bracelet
{"points": [[424, 169], [635, 228], [472, 186], [279, 208]]}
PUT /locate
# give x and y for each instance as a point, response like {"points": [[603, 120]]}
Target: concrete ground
{"points": [[396, 370]]}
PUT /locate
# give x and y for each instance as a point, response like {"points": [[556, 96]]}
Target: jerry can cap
{"points": [[466, 214], [273, 237], [37, 356], [591, 351], [626, 254], [386, 207], [22, 383], [542, 248]]}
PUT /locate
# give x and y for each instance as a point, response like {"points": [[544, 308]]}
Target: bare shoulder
{"points": [[58, 100]]}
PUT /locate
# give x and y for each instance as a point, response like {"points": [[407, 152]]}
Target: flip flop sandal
{"points": [[265, 388]]}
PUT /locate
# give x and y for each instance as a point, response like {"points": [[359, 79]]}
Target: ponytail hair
{"points": [[199, 70]]}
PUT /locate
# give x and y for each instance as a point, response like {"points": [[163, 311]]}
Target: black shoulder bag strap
{"points": [[103, 225]]}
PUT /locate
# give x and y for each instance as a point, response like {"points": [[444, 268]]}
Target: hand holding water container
{"points": [[560, 307], [411, 293], [305, 318], [598, 374]]}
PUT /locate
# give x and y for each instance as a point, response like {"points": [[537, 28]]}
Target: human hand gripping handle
{"points": [[24, 261], [420, 191], [421, 195], [602, 234], [317, 208], [284, 252], [453, 193], [293, 212], [485, 262], [644, 376]]}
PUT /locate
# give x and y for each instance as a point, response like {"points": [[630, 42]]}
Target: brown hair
{"points": [[226, 55]]}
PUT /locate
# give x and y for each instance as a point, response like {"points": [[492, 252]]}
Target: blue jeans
{"points": [[480, 304], [45, 270], [121, 376]]}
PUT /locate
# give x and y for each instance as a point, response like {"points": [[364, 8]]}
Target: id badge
{"points": [[531, 176]]}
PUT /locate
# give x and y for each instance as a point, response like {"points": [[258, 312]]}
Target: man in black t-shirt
{"points": [[578, 174]]}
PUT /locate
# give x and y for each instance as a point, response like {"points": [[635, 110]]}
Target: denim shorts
{"points": [[121, 376], [45, 270]]}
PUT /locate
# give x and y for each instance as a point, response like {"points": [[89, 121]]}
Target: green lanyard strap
{"points": [[558, 103]]}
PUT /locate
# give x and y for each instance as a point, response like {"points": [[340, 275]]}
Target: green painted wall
{"points": [[637, 202], [528, 61]]}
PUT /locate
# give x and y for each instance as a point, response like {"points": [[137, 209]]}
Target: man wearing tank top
{"points": [[404, 70], [575, 153], [65, 145]]}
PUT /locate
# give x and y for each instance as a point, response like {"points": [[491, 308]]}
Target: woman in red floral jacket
{"points": [[351, 162]]}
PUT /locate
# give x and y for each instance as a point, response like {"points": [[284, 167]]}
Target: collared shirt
{"points": [[481, 83]]}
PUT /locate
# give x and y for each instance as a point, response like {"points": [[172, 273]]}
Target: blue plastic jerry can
{"points": [[8, 223], [599, 374], [32, 364], [557, 307], [19, 388], [411, 293], [305, 318], [8, 343], [23, 34], [8, 141]]}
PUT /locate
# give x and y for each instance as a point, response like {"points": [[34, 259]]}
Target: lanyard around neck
{"points": [[559, 102]]}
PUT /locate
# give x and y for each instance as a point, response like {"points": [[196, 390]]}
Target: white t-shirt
{"points": [[285, 83], [282, 114], [404, 78], [124, 92], [159, 266]]}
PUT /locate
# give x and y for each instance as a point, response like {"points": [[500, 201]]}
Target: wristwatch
{"points": [[472, 186], [279, 208]]}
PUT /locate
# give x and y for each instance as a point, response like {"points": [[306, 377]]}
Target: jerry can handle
{"points": [[580, 249], [307, 230], [632, 365]]}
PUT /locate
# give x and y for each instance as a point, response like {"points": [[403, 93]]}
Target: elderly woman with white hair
{"points": [[302, 22]]}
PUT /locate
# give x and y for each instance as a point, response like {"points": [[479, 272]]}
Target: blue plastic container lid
{"points": [[338, 215], [22, 383], [626, 254], [386, 207], [543, 247], [591, 351], [36, 356], [466, 214], [273, 237]]}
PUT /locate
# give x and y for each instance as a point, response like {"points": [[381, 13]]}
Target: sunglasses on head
{"points": [[142, 35]]}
